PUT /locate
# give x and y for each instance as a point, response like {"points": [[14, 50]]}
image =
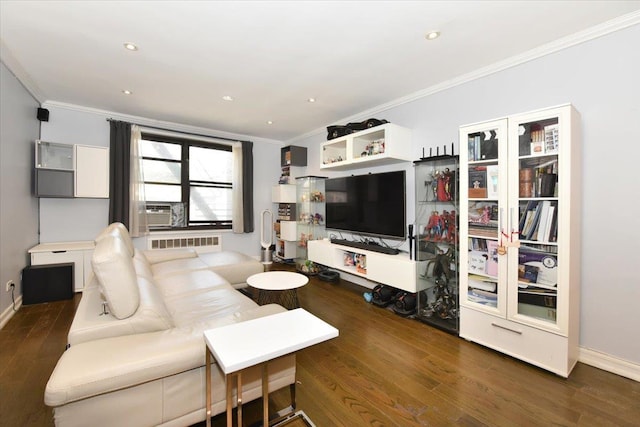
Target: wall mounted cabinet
{"points": [[65, 170], [380, 145]]}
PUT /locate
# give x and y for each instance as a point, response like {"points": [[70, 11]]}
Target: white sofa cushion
{"points": [[117, 229], [89, 322], [234, 266], [113, 267]]}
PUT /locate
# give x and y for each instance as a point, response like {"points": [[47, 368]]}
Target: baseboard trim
{"points": [[9, 312], [609, 363]]}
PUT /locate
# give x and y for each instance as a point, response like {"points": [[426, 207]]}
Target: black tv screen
{"points": [[371, 204]]}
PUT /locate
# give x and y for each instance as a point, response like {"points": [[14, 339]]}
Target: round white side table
{"points": [[278, 287]]}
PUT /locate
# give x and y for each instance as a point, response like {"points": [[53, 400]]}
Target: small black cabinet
{"points": [[293, 156]]}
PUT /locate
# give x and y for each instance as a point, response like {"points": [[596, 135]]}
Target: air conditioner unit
{"points": [[159, 215]]}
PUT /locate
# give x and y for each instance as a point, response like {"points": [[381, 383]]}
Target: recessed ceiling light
{"points": [[127, 92], [227, 98], [432, 35], [311, 100], [269, 122], [130, 46]]}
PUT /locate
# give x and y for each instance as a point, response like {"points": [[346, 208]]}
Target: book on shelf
{"points": [[483, 283], [551, 138], [531, 226], [477, 262], [539, 312], [538, 296], [478, 244], [474, 147], [482, 297], [492, 181], [526, 182], [478, 182], [545, 263], [492, 257], [527, 273], [483, 231]]}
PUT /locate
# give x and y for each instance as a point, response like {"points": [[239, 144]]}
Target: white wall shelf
{"points": [[380, 145]]}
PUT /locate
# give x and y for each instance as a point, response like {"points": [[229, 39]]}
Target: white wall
{"points": [[82, 219], [601, 79], [18, 208]]}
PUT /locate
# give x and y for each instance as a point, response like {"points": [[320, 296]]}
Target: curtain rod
{"points": [[179, 131]]}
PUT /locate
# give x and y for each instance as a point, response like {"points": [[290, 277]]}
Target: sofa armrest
{"points": [[161, 255], [110, 364]]}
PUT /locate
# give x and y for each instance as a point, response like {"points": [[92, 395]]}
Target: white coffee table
{"points": [[278, 287], [257, 341]]}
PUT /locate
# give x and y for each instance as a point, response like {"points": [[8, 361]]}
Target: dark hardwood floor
{"points": [[383, 370]]}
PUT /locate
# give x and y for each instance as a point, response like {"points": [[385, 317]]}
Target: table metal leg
{"points": [[229, 403], [265, 395], [239, 394], [207, 371]]}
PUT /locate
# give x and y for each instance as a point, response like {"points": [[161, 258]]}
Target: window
{"points": [[190, 175]]}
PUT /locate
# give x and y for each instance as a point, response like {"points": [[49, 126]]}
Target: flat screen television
{"points": [[373, 204]]}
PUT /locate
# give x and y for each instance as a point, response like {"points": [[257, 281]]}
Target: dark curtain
{"points": [[247, 185], [119, 172]]}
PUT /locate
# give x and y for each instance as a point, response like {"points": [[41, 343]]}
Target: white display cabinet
{"points": [[520, 202], [310, 210], [379, 145], [436, 247]]}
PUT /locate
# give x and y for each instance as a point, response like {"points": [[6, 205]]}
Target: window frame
{"points": [[185, 184]]}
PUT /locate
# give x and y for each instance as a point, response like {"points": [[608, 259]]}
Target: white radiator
{"points": [[201, 241]]}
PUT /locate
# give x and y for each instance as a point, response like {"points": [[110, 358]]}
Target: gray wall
{"points": [[18, 209], [82, 219], [601, 79]]}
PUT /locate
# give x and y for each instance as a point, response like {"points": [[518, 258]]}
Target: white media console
{"points": [[397, 271]]}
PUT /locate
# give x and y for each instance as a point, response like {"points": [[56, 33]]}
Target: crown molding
{"points": [[170, 126], [592, 33], [13, 65]]}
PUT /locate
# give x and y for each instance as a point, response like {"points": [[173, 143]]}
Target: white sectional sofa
{"points": [[136, 351]]}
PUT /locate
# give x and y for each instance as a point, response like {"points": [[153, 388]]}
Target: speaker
{"points": [[43, 114], [47, 282]]}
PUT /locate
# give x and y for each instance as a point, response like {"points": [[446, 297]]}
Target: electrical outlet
{"points": [[10, 285]]}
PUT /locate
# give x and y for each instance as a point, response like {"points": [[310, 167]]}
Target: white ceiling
{"points": [[271, 56]]}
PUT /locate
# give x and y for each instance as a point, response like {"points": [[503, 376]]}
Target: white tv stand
{"points": [[397, 271]]}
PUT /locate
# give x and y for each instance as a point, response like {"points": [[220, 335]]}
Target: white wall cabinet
{"points": [[79, 253], [397, 271], [380, 145], [67, 171], [520, 221]]}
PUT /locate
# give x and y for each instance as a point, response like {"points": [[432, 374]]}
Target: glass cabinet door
{"points": [[51, 155], [534, 210], [483, 219]]}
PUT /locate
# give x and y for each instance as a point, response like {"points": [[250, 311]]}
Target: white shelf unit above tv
{"points": [[380, 145]]}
